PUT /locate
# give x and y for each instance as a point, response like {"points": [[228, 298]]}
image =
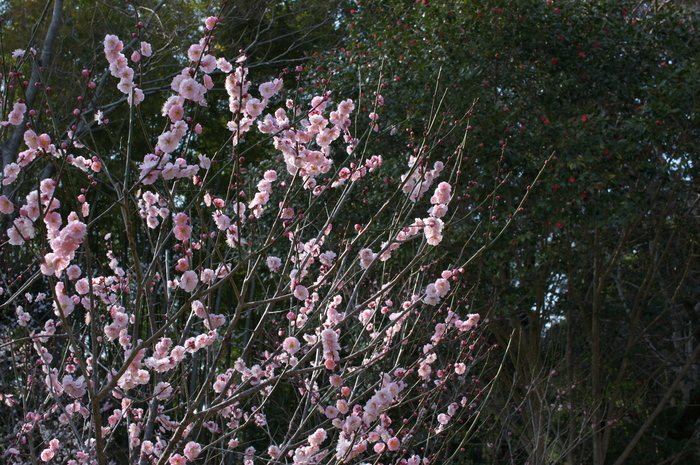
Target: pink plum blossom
{"points": [[46, 455], [291, 345], [192, 450], [188, 281]]}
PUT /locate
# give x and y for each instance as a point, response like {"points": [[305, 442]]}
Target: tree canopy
{"points": [[573, 131], [593, 293]]}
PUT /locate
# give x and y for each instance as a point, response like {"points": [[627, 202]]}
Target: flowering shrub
{"points": [[214, 308]]}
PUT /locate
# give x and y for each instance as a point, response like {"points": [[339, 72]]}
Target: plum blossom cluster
{"points": [[228, 220], [155, 165], [331, 347], [419, 179], [38, 146], [368, 426], [452, 320], [431, 226], [263, 195], [190, 452], [245, 107], [307, 254], [188, 87], [153, 207], [306, 454], [209, 320], [48, 453], [63, 241], [306, 146], [356, 172], [439, 289], [119, 67], [367, 256], [462, 326], [142, 334], [16, 116]]}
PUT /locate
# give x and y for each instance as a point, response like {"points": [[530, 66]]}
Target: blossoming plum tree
{"points": [[236, 314]]}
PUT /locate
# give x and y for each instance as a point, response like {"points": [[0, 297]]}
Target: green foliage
{"points": [[591, 271]]}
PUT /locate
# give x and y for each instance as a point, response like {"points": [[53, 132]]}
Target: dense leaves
{"points": [[585, 289]]}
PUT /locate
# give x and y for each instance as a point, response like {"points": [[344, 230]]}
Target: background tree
{"points": [[585, 291]]}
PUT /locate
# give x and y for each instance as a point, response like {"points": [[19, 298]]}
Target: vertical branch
{"points": [[660, 406], [11, 147], [596, 382]]}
